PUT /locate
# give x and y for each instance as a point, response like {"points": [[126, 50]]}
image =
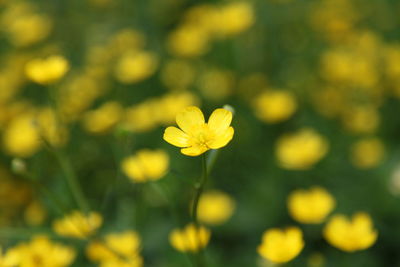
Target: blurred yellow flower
{"points": [[361, 119], [367, 153], [28, 29], [215, 207], [188, 41], [103, 119], [51, 128], [234, 18], [281, 246], [350, 234], [40, 252], [216, 84], [140, 118], [48, 70], [190, 239], [178, 74], [117, 249], [21, 137], [35, 213], [171, 104], [310, 206], [134, 66], [301, 150], [146, 165], [274, 106], [78, 225], [196, 136]]}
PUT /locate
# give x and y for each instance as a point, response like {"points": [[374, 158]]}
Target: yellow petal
{"points": [[194, 150], [189, 117], [222, 140], [220, 120], [176, 137]]}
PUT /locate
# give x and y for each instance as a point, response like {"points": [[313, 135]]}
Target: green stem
{"points": [[72, 182], [199, 187]]}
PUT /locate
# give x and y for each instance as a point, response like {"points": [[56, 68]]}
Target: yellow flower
{"points": [[281, 246], [103, 119], [134, 67], [117, 249], [78, 225], [21, 137], [301, 150], [367, 153], [310, 206], [46, 71], [35, 214], [146, 165], [215, 207], [40, 252], [188, 41], [234, 18], [350, 234], [197, 136], [275, 106], [190, 239], [50, 127], [28, 29]]}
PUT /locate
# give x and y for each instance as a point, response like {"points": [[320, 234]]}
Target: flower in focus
{"points": [[192, 238], [215, 207], [196, 136], [116, 250], [275, 106], [40, 252], [310, 206], [301, 150], [78, 225], [146, 165], [281, 246], [352, 234], [103, 119], [48, 70], [367, 153]]}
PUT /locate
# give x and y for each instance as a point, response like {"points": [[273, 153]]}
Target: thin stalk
{"points": [[199, 187], [72, 182]]}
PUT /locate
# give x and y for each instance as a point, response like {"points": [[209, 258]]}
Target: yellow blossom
{"points": [[367, 153], [310, 206], [196, 136], [35, 213], [48, 70], [361, 119], [188, 41], [51, 128], [215, 207], [103, 119], [40, 252], [134, 67], [177, 74], [301, 150], [146, 165], [28, 29], [216, 84], [171, 104], [281, 246], [352, 234], [234, 18], [117, 249], [21, 137], [274, 106], [190, 239], [78, 225]]}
